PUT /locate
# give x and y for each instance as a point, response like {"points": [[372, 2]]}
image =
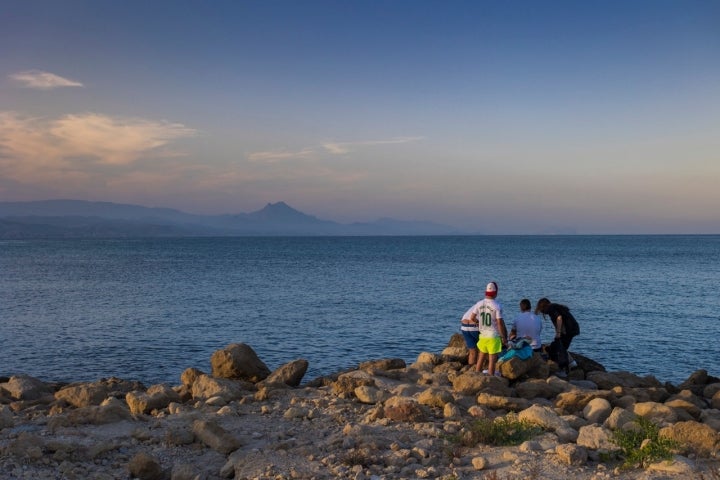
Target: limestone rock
{"points": [[571, 454], [543, 416], [189, 375], [596, 437], [370, 395], [435, 397], [290, 374], [427, 358], [346, 384], [25, 387], [215, 437], [238, 361], [608, 380], [655, 412], [537, 388], [157, 397], [575, 401], [619, 417], [472, 382], [693, 437], [516, 368], [383, 364], [83, 394], [497, 402], [597, 410], [206, 386], [403, 409], [679, 467]]}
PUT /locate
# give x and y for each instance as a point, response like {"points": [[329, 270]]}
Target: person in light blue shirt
{"points": [[527, 325]]}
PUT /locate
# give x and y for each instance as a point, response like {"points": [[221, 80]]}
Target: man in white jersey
{"points": [[527, 325], [493, 334]]}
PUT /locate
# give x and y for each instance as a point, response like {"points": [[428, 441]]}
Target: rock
{"points": [[451, 411], [608, 380], [575, 401], [157, 397], [145, 467], [370, 395], [711, 417], [596, 437], [619, 417], [6, 417], [345, 385], [480, 463], [427, 358], [215, 437], [543, 416], [189, 375], [710, 390], [472, 382], [693, 437], [655, 412], [382, 365], [587, 364], [435, 397], [497, 402], [516, 368], [290, 374], [715, 402], [537, 388], [206, 386], [83, 394], [186, 471], [25, 387], [679, 466], [238, 361], [571, 454], [597, 410], [403, 409]]}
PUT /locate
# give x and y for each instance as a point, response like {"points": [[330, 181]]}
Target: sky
{"points": [[503, 117]]}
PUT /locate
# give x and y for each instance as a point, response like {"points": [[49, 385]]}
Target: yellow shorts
{"points": [[490, 345]]}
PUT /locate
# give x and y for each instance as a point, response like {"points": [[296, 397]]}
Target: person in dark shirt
{"points": [[566, 328]]}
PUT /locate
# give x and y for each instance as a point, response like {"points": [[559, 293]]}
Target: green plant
{"points": [[502, 431], [643, 445]]}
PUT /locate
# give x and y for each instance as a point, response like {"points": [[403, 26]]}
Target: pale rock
{"points": [[345, 385], [596, 437], [608, 380], [472, 382], [206, 386], [370, 395], [693, 437], [451, 411], [576, 400], [573, 455], [295, 413], [715, 402], [435, 397], [497, 402], [25, 387], [597, 410], [157, 397], [238, 361], [567, 435], [680, 466], [710, 390], [655, 412], [187, 471], [403, 409], [215, 437], [83, 394], [537, 388], [711, 417], [189, 375], [543, 416], [480, 463], [382, 365], [478, 411], [618, 418], [427, 358]]}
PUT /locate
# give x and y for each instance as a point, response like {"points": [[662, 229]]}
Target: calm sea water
{"points": [[146, 309]]}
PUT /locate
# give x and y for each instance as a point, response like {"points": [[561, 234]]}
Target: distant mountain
{"points": [[78, 218]]}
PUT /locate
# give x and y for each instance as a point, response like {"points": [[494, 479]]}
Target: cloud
{"points": [[40, 80], [41, 150], [275, 155], [336, 148], [346, 147]]}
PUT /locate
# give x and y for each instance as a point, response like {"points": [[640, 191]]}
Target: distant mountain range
{"points": [[77, 219]]}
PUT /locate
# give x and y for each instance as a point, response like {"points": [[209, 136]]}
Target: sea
{"points": [[148, 308]]}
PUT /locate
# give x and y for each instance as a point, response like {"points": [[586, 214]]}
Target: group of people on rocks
{"points": [[486, 336]]}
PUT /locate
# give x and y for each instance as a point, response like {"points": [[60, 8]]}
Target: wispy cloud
{"points": [[49, 150], [333, 148], [341, 148], [280, 155], [43, 80]]}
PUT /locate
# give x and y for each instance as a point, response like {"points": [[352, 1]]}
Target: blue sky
{"points": [[501, 117]]}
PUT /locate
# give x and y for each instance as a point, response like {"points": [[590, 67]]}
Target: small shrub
{"points": [[642, 446], [503, 431]]}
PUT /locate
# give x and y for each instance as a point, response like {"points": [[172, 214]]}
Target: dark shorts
{"points": [[471, 338]]}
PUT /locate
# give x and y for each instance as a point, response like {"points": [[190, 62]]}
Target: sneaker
{"points": [[485, 372]]}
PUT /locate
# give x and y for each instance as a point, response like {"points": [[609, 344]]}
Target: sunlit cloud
{"points": [[39, 150], [276, 156], [43, 80], [341, 148]]}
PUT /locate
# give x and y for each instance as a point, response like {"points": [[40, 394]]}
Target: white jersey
{"points": [[529, 325], [487, 312], [466, 327]]}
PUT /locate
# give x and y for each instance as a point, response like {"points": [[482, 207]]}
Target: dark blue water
{"points": [[147, 309]]}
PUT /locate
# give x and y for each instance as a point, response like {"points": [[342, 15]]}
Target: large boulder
{"points": [[693, 437], [238, 361], [472, 382], [157, 397], [515, 368], [608, 380], [403, 409], [205, 387], [83, 394], [537, 388], [655, 412], [382, 364], [290, 374], [543, 416], [25, 387]]}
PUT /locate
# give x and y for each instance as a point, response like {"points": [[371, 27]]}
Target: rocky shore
{"points": [[382, 420]]}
